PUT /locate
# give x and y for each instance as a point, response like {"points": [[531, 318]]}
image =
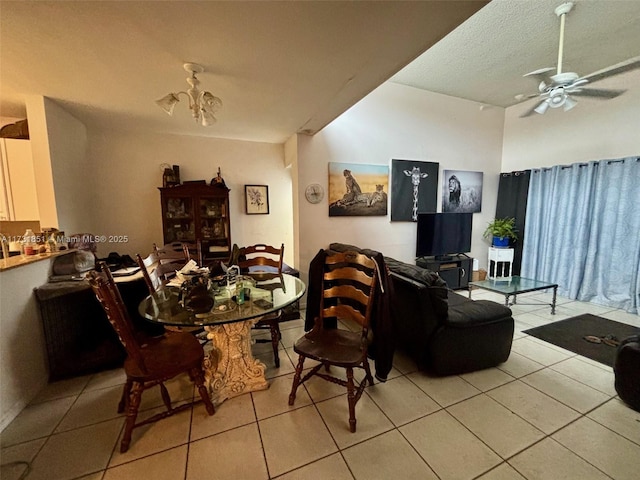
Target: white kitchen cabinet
{"points": [[19, 200]]}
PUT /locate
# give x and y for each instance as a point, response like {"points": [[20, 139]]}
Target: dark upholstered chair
{"points": [[443, 331], [150, 361], [627, 371], [348, 288]]}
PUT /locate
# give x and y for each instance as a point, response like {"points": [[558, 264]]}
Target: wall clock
{"points": [[314, 193]]}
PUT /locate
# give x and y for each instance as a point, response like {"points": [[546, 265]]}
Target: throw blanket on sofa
{"points": [[383, 344]]}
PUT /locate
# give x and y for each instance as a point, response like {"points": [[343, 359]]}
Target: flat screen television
{"points": [[443, 234]]}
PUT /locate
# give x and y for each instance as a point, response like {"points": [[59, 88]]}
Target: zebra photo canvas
{"points": [[461, 191], [356, 189], [414, 189]]}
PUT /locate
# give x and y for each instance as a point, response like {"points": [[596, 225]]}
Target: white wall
{"points": [[58, 142], [398, 122], [593, 130], [23, 362], [124, 170], [67, 138], [43, 173]]}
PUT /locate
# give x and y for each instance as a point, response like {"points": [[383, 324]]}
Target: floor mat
{"points": [[570, 334]]}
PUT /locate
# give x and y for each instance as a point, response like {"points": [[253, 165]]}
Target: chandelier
{"points": [[202, 104]]}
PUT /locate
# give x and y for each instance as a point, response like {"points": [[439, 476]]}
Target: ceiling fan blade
{"points": [[597, 93], [532, 110], [521, 97], [616, 69], [540, 71], [540, 76], [577, 84]]}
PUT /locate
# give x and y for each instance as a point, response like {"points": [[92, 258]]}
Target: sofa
{"points": [[444, 332], [627, 371]]}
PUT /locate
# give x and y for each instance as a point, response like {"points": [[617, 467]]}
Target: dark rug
{"points": [[570, 333]]}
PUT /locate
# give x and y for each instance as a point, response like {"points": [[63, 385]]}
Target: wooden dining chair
{"points": [[171, 258], [257, 259], [155, 275], [348, 287], [193, 251], [149, 361], [152, 271]]}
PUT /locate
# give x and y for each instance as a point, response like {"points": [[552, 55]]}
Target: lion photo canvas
{"points": [[461, 191]]}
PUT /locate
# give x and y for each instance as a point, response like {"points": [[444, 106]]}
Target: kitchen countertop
{"points": [[20, 260]]}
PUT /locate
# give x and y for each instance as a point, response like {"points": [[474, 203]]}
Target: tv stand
{"points": [[453, 269]]}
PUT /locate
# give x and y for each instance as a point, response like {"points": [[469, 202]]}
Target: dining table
{"points": [[227, 316]]}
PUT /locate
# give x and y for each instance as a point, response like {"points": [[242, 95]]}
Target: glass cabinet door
{"points": [[197, 213], [179, 219], [214, 227]]}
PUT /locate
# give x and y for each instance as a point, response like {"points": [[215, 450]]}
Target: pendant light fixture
{"points": [[203, 104]]}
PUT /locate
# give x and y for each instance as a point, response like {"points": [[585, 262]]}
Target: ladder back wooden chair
{"points": [[266, 259], [171, 257], [348, 288], [155, 275], [152, 271], [149, 361]]}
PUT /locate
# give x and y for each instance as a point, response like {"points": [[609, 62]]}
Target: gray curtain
{"points": [[513, 191], [583, 231]]}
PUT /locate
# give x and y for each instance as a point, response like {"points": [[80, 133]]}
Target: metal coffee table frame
{"points": [[516, 286]]}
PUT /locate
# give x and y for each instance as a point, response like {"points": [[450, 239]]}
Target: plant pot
{"points": [[501, 241]]}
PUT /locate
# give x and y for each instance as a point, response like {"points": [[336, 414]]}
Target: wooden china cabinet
{"points": [[198, 213]]}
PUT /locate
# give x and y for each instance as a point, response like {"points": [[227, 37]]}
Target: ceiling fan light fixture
{"points": [[557, 97], [202, 104], [555, 89], [542, 107], [569, 103]]}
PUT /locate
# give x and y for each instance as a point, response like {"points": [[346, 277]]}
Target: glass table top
{"points": [[513, 286], [267, 294]]}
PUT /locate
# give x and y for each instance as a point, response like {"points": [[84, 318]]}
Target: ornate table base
{"points": [[230, 368]]}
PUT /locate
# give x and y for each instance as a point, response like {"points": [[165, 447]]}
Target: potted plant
{"points": [[502, 230]]}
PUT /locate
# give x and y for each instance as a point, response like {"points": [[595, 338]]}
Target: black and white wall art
{"points": [[414, 189], [461, 191]]}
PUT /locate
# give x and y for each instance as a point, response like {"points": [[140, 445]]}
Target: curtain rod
{"points": [[564, 167]]}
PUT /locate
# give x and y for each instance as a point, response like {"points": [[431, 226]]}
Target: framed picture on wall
{"points": [[461, 191], [357, 189], [257, 199], [414, 189]]}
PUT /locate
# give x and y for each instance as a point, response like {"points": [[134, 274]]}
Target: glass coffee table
{"points": [[515, 286]]}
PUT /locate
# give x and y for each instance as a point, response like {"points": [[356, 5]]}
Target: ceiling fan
{"points": [[558, 90]]}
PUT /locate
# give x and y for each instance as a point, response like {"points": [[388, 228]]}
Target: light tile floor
{"points": [[546, 413]]}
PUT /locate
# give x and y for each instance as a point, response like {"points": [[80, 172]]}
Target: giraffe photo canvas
{"points": [[461, 191], [357, 189], [414, 189]]}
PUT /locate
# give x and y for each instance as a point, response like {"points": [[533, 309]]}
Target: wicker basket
{"points": [[479, 275]]}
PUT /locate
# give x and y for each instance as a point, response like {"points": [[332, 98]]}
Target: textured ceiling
{"points": [[279, 67], [286, 67], [485, 58]]}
